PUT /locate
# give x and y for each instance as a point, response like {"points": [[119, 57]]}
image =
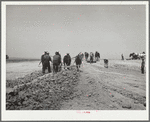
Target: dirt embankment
{"points": [[37, 92]]}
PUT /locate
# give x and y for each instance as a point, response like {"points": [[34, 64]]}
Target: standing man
{"points": [[91, 57], [106, 63], [67, 60], [122, 57], [78, 61], [42, 57], [46, 62], [56, 62], [142, 66], [59, 66]]}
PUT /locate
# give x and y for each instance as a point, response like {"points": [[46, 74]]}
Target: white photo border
{"points": [[45, 115]]}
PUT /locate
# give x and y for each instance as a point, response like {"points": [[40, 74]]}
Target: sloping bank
{"points": [[37, 92]]}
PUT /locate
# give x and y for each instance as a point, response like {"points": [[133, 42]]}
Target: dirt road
{"points": [[121, 86]]}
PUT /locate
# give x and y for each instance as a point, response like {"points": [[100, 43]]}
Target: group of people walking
{"points": [[57, 64], [46, 59]]}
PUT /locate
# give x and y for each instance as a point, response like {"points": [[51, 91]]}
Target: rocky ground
{"points": [[41, 92], [121, 86]]}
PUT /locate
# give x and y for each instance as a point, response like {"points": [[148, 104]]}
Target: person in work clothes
{"points": [[142, 66], [106, 63], [59, 66], [46, 62], [56, 62], [42, 58], [122, 57], [67, 60]]}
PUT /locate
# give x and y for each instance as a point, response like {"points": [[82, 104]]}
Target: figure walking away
{"points": [[142, 66], [56, 62], [42, 58], [122, 57], [46, 62]]}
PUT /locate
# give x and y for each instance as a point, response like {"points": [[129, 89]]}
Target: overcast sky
{"points": [[110, 30]]}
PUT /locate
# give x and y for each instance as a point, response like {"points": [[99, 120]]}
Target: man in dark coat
{"points": [[78, 61], [142, 66], [67, 60], [86, 55], [42, 59], [97, 55], [91, 57], [56, 62], [59, 66], [122, 57], [106, 63], [7, 57], [46, 62]]}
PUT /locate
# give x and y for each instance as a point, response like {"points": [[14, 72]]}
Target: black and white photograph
{"points": [[87, 57]]}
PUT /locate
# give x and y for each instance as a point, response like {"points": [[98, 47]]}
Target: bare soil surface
{"points": [[121, 86]]}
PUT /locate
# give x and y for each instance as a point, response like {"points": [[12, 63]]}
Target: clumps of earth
{"points": [[37, 92]]}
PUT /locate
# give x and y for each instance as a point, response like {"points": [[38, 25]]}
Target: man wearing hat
{"points": [[56, 61], [46, 62], [122, 57], [59, 66], [142, 66], [67, 60], [42, 58]]}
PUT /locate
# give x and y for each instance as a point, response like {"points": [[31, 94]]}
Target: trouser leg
{"points": [[49, 68], [43, 71], [142, 70], [68, 65], [77, 67], [53, 67], [57, 67], [64, 66], [44, 67]]}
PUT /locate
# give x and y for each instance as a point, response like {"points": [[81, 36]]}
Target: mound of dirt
{"points": [[37, 92]]}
